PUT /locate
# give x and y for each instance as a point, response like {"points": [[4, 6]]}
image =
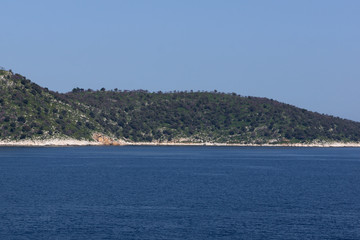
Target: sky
{"points": [[302, 52]]}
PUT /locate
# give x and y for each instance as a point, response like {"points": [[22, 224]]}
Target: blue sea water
{"points": [[179, 193]]}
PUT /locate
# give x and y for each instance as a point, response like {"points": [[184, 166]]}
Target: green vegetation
{"points": [[30, 111], [27, 111]]}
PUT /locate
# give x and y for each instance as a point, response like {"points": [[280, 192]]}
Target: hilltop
{"points": [[29, 111]]}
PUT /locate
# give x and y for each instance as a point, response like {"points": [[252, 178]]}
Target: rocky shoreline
{"points": [[333, 144], [48, 143], [109, 142]]}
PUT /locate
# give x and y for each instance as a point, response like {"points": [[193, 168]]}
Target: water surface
{"points": [[179, 193]]}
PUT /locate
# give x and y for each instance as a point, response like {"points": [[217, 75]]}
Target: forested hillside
{"points": [[208, 116], [28, 110]]}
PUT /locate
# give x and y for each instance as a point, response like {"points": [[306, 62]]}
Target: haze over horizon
{"points": [[305, 53]]}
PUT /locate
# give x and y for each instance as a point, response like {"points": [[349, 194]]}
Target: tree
{"points": [[21, 119]]}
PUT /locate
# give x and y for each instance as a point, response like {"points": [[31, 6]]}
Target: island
{"points": [[31, 115]]}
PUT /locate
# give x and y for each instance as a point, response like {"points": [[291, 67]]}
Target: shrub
{"points": [[21, 119]]}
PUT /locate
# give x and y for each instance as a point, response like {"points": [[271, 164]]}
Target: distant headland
{"points": [[31, 115]]}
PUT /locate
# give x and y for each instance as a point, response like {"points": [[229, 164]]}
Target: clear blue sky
{"points": [[305, 52]]}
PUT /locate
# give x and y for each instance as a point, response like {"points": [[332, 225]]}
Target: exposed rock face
{"points": [[105, 140]]}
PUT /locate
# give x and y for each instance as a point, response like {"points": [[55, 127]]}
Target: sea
{"points": [[182, 192]]}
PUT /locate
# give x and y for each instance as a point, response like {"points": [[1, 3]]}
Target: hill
{"points": [[30, 111]]}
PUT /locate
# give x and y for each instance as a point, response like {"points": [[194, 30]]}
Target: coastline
{"points": [[322, 145], [57, 142]]}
